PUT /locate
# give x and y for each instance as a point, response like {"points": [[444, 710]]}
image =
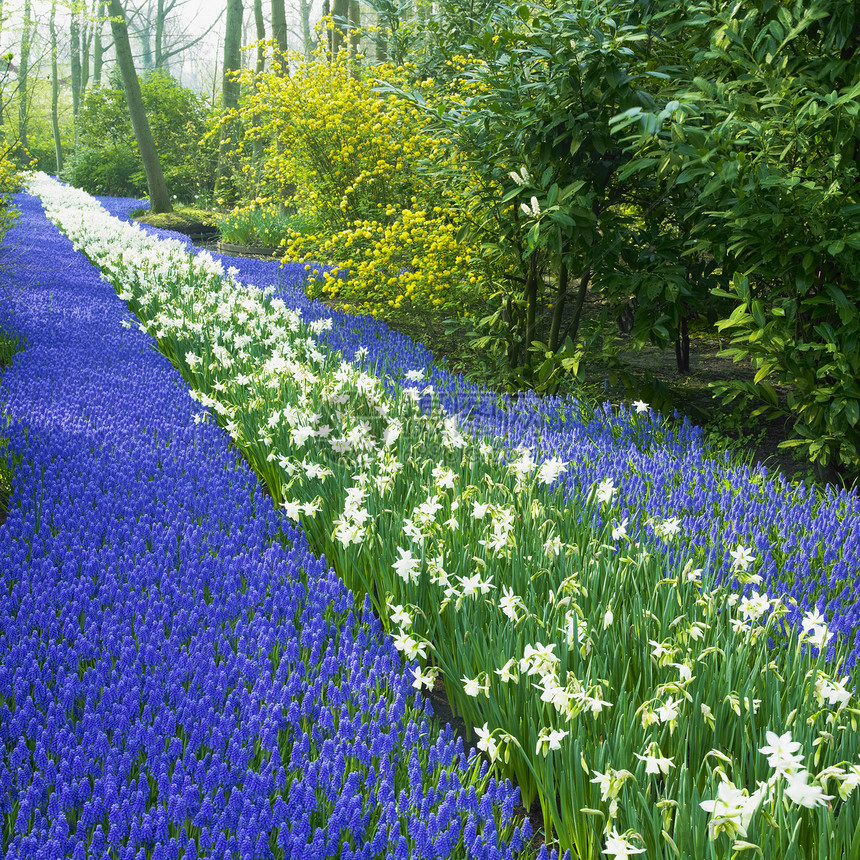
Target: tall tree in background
{"points": [[159, 200], [279, 29], [230, 91], [305, 27], [23, 76], [340, 14], [55, 90], [259, 67], [98, 45], [150, 21]]}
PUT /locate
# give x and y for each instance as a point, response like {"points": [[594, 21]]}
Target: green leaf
{"points": [[852, 412]]}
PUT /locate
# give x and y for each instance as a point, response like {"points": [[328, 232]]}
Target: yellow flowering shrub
{"points": [[351, 158]]}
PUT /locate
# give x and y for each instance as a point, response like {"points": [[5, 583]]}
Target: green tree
{"points": [[159, 199], [758, 133], [107, 160]]}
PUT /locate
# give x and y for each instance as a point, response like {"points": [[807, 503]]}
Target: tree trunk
{"points": [[340, 14], [159, 35], [86, 44], [573, 329], [75, 39], [354, 25], [326, 11], [279, 33], [259, 68], [229, 93], [159, 199], [682, 347], [558, 308], [23, 74], [531, 297], [98, 47], [55, 91], [305, 23], [381, 38]]}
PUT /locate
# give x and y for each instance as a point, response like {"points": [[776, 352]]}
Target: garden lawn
{"points": [[180, 676]]}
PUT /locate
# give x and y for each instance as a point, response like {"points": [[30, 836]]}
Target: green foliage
{"points": [[263, 225], [529, 113], [757, 142], [107, 160]]}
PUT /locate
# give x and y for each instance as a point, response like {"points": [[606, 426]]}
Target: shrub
{"points": [[353, 160], [107, 160]]}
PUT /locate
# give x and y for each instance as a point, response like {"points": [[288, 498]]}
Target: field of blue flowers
{"points": [[182, 676]]}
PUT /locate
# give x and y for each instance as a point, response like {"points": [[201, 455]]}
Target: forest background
{"points": [[545, 192]]}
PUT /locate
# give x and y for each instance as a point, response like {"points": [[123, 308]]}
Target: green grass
{"points": [[183, 219]]}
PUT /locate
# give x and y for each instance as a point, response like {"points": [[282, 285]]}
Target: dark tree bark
{"points": [[230, 91], [55, 90], [558, 307], [75, 37], [259, 68], [159, 199], [340, 13]]}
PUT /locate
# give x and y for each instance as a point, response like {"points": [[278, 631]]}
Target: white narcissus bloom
{"points": [[550, 469], [834, 693], [424, 678], [508, 672], [820, 636], [292, 509], [611, 782], [800, 792], [668, 711], [407, 566], [415, 375], [742, 557], [411, 647], [552, 546], [640, 406], [473, 687], [755, 606], [620, 529], [400, 616], [812, 620], [444, 477], [781, 750], [619, 845], [731, 811], [479, 510], [668, 528], [605, 490], [487, 743], [655, 763], [549, 739]]}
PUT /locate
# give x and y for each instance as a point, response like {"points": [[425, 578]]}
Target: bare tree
{"points": [[154, 25], [159, 200]]}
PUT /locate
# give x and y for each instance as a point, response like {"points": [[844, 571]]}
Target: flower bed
{"points": [[806, 542], [179, 675], [631, 694]]}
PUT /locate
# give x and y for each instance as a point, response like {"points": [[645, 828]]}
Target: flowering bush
{"points": [[179, 675], [483, 571], [352, 160]]}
